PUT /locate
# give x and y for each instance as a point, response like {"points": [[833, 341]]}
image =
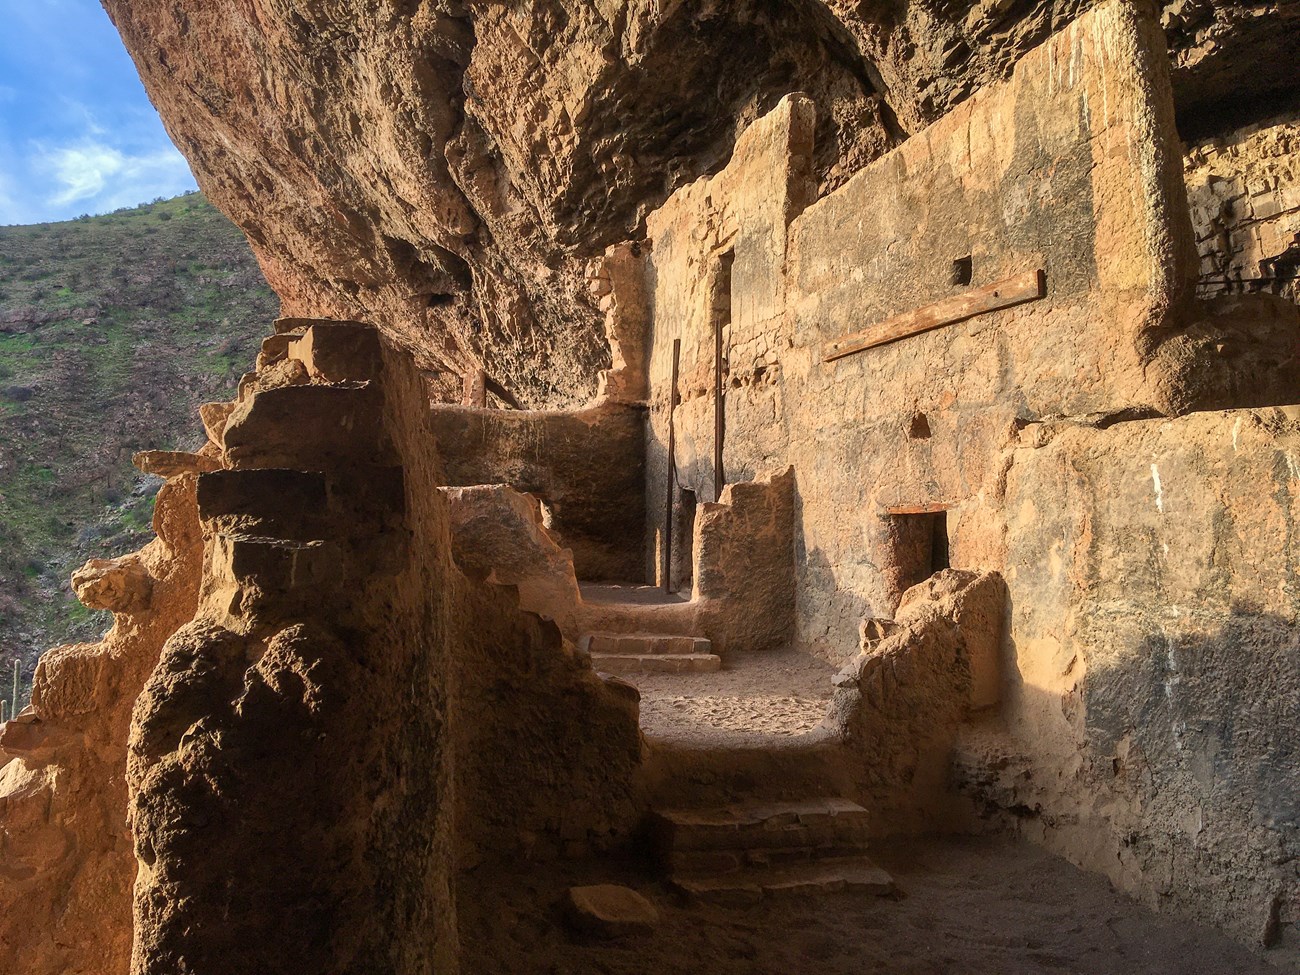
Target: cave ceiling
{"points": [[447, 169]]}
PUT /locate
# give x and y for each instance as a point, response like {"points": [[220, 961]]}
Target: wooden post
{"points": [[719, 414], [1008, 293], [672, 470], [475, 389]]}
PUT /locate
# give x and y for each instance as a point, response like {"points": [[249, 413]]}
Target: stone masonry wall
{"points": [[1071, 166], [585, 465], [1244, 191]]}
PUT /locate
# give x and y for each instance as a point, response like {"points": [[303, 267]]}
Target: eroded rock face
{"points": [[66, 863], [315, 738], [446, 169]]}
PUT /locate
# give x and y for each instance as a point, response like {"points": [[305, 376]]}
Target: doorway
{"points": [[681, 573], [920, 548]]}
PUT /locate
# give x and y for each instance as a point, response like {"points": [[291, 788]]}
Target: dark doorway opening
{"points": [[681, 572], [721, 313], [920, 547]]}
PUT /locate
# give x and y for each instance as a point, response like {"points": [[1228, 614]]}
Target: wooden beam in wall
{"points": [[1007, 293], [918, 509]]}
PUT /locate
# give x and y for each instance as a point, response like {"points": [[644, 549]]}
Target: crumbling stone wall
{"points": [[1244, 190], [66, 861], [348, 720], [338, 720]]}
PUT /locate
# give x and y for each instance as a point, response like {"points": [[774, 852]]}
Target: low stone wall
{"points": [[587, 467], [66, 862]]}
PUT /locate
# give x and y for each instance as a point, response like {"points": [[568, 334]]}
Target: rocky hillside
{"points": [[112, 330]]}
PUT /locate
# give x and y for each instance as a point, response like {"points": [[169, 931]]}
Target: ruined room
{"points": [[739, 486]]}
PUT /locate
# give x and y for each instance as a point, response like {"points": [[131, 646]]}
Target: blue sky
{"points": [[77, 132]]}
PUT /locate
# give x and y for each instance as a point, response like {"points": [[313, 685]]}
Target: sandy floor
{"points": [[971, 907], [756, 698]]}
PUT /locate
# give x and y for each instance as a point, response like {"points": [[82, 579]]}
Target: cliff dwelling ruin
{"points": [[736, 487]]}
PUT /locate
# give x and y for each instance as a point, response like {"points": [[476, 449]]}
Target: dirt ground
{"points": [[755, 698], [970, 907]]}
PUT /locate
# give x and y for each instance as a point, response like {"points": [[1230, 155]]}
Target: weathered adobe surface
{"points": [[66, 857], [1139, 612], [318, 703], [447, 168]]}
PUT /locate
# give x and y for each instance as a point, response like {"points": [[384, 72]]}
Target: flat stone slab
{"points": [[610, 911], [767, 812], [656, 663], [762, 833], [173, 463], [857, 874], [636, 644]]}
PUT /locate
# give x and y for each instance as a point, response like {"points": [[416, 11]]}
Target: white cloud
{"points": [[99, 177]]}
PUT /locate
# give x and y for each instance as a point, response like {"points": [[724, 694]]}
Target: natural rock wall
{"points": [[1151, 670]]}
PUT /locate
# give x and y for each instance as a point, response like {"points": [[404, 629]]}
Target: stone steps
{"points": [[640, 644], [858, 874], [765, 825], [650, 653], [743, 852], [621, 664]]}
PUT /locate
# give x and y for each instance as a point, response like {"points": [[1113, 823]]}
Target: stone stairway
{"points": [[743, 852], [650, 653]]}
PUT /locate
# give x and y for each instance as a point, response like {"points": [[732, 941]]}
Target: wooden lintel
{"points": [[1007, 293], [932, 508]]}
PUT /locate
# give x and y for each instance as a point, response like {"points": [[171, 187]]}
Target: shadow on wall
{"points": [[1180, 777], [820, 597]]}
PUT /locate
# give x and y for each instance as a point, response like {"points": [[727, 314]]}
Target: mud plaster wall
{"points": [[587, 466], [347, 720], [1152, 684], [1070, 166], [718, 261]]}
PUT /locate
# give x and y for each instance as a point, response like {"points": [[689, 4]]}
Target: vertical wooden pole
{"points": [[474, 389], [672, 470], [719, 417]]}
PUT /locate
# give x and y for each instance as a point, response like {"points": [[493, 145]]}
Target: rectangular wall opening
{"points": [[919, 548], [681, 574]]}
